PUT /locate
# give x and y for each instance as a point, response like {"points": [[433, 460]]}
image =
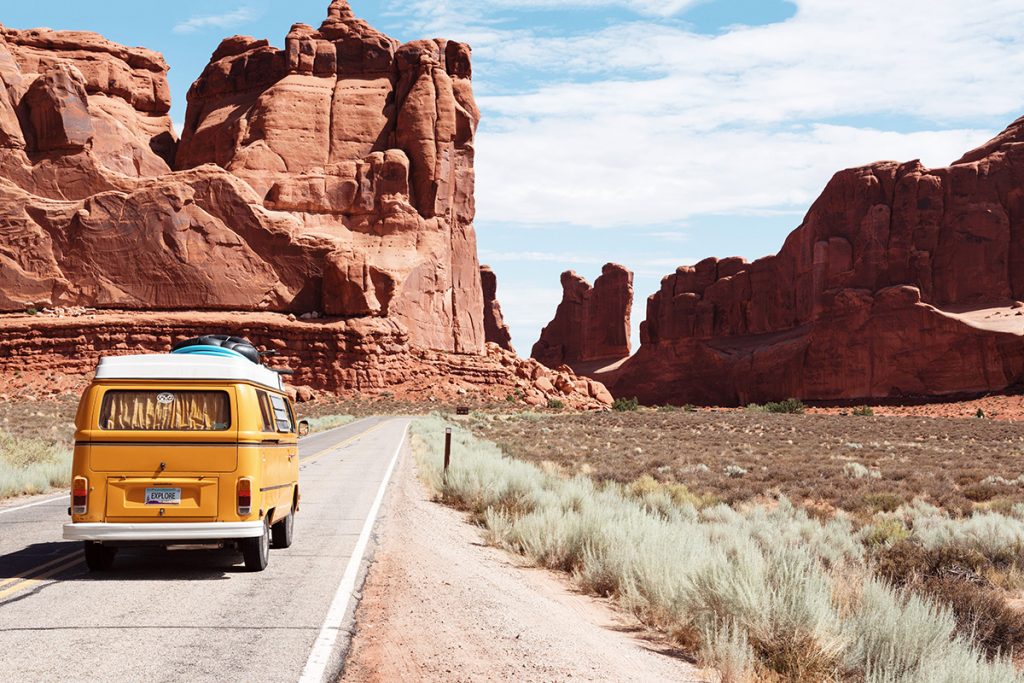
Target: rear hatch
{"points": [[162, 449]]}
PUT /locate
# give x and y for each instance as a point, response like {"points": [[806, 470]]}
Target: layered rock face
{"points": [[495, 329], [592, 323], [335, 175], [56, 351], [901, 281], [368, 143]]}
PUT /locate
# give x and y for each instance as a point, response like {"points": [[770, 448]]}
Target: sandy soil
{"points": [[439, 605]]}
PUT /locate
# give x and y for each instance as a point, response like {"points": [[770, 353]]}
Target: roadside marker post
{"points": [[447, 450]]}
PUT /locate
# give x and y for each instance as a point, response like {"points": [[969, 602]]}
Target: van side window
{"points": [[267, 412], [281, 414]]}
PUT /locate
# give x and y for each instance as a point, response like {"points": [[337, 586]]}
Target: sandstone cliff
{"points": [[322, 195], [901, 281], [592, 323], [335, 175]]}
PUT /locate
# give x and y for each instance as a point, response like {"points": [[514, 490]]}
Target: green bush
{"points": [[790, 405], [626, 404], [555, 404], [863, 411]]}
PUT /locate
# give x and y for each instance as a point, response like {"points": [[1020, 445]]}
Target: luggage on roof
{"points": [[218, 345]]}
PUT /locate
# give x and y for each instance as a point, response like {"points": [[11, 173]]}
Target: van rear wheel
{"points": [[256, 551], [98, 557], [284, 531]]}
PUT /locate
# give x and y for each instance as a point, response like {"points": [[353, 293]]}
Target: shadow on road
{"points": [[131, 564]]}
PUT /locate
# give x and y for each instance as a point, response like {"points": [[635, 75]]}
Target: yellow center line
{"points": [[29, 572], [36, 580], [340, 444]]}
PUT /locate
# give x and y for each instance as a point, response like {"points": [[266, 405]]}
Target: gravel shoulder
{"points": [[440, 605]]}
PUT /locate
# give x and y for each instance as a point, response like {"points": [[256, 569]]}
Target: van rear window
{"points": [[184, 411]]}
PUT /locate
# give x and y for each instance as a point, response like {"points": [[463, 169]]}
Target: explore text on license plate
{"points": [[163, 496]]}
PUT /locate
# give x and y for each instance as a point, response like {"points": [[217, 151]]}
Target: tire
{"points": [[256, 551], [99, 558], [284, 531]]}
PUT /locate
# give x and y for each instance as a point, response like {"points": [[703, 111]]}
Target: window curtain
{"points": [[166, 411]]}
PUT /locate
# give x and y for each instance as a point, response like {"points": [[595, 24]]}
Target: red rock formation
{"points": [[368, 142], [335, 175], [495, 329], [368, 355], [899, 282], [591, 323]]}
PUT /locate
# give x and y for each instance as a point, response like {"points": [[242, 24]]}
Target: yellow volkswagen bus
{"points": [[198, 446]]}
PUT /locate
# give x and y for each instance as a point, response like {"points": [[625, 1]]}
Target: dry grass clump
{"points": [[322, 423], [29, 465], [861, 464], [760, 593]]}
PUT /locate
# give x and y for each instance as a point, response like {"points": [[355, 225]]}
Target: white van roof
{"points": [[186, 367]]}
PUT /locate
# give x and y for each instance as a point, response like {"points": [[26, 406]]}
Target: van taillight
{"points": [[79, 495], [244, 496]]}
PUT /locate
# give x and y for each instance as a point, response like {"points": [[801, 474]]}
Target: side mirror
{"points": [[303, 427]]}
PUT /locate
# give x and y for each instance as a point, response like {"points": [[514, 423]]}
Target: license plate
{"points": [[163, 496]]}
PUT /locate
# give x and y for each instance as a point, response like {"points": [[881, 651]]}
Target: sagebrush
{"points": [[761, 592]]}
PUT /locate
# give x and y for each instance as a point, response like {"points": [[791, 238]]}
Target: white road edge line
{"points": [[4, 511], [319, 657]]}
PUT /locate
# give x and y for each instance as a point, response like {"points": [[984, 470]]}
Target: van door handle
{"points": [[271, 440]]}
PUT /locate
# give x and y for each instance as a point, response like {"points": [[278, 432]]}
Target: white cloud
{"points": [[652, 123], [240, 15], [648, 125]]}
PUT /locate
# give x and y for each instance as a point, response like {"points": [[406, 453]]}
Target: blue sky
{"points": [[651, 132]]}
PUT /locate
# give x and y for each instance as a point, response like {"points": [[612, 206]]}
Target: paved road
{"points": [[197, 615]]}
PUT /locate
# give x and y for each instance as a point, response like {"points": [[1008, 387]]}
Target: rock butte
{"points": [[334, 176], [902, 281], [495, 329], [591, 323]]}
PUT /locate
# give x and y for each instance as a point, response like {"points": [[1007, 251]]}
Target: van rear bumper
{"points": [[162, 531]]}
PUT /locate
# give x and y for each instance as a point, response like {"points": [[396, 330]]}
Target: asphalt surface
{"points": [[197, 615]]}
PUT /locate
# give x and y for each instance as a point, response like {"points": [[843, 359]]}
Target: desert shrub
{"points": [[734, 471], [660, 497], [753, 592], [555, 404], [325, 422], [32, 465], [854, 470], [883, 501], [790, 405], [885, 532], [689, 408], [981, 491], [981, 613], [626, 404], [952, 576], [996, 537], [863, 411]]}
